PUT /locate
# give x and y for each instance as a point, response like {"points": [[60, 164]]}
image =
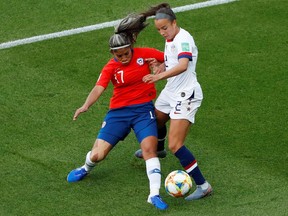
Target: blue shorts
{"points": [[117, 123]]}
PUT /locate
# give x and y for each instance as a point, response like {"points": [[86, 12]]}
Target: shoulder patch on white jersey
{"points": [[185, 47]]}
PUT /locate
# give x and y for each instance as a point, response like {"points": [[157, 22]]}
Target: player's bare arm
{"points": [[91, 99], [178, 69]]}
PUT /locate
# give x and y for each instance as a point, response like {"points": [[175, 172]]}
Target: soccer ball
{"points": [[178, 183]]}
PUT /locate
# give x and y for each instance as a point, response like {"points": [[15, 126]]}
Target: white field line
{"points": [[101, 25]]}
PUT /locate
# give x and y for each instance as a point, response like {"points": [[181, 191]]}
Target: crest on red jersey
{"points": [[140, 61]]}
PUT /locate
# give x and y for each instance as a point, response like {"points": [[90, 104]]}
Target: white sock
{"points": [[154, 175], [204, 186], [89, 165]]}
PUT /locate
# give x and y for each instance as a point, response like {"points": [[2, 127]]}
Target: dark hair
{"points": [[127, 30], [161, 11], [118, 41]]}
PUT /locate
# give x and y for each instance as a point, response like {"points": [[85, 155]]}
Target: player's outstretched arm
{"points": [[178, 69], [90, 100]]}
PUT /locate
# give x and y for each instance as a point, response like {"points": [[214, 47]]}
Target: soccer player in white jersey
{"points": [[182, 95]]}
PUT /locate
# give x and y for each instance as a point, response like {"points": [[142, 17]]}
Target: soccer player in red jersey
{"points": [[131, 105]]}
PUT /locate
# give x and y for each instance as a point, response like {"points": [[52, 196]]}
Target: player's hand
{"points": [[151, 78], [158, 69], [156, 66], [152, 62], [79, 111]]}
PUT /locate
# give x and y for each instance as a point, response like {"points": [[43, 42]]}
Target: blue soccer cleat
{"points": [[160, 154], [200, 193], [157, 202], [77, 174]]}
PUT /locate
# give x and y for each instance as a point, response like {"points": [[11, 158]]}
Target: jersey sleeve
{"points": [[185, 49], [105, 76], [154, 53]]}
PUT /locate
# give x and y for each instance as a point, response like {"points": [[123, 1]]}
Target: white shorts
{"points": [[185, 109]]}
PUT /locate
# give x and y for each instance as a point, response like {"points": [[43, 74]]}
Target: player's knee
{"points": [[174, 146], [149, 151]]}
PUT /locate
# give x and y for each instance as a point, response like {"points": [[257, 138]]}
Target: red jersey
{"points": [[129, 89]]}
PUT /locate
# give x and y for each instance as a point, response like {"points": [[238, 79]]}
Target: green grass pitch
{"points": [[240, 135]]}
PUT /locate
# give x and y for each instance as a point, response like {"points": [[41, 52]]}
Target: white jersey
{"points": [[182, 46]]}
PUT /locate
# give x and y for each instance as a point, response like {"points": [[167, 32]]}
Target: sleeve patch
{"points": [[185, 47]]}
